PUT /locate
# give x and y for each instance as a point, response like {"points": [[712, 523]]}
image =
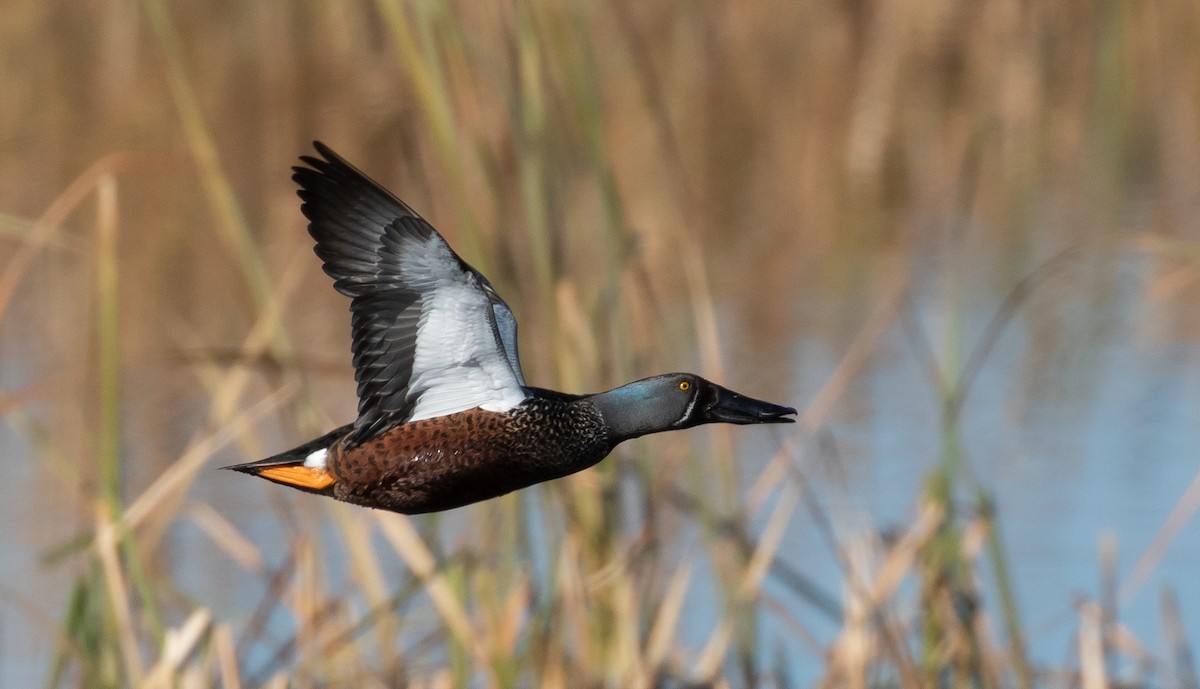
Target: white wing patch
{"points": [[457, 364]]}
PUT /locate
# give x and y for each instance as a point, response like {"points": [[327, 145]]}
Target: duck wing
{"points": [[431, 336]]}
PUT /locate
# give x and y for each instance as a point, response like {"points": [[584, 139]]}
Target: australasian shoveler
{"points": [[444, 415]]}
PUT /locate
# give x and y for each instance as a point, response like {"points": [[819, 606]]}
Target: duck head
{"points": [[679, 400]]}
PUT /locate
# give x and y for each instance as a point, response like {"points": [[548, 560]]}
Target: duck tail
{"points": [[291, 468]]}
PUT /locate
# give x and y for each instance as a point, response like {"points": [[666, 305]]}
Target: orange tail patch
{"points": [[299, 476]]}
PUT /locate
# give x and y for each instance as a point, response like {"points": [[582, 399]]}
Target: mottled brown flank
{"points": [[449, 461]]}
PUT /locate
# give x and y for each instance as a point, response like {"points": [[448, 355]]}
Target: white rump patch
{"points": [[316, 460]]}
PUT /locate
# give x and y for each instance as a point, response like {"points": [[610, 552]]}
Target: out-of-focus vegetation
{"points": [[624, 172]]}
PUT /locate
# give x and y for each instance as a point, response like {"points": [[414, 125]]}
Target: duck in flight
{"points": [[445, 418]]}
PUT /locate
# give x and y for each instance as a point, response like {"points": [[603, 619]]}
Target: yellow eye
{"points": [[684, 385]]}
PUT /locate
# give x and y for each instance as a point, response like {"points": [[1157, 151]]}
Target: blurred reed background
{"points": [[799, 199]]}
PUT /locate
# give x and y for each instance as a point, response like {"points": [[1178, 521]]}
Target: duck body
{"points": [[449, 461], [445, 418]]}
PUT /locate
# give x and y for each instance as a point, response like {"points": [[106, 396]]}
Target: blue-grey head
{"points": [[679, 400]]}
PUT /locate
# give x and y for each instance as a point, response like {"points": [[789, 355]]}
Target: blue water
{"points": [[1084, 424]]}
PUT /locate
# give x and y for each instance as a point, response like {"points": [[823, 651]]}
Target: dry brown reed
{"points": [[649, 184]]}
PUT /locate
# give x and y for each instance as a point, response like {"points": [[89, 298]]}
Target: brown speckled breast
{"points": [[449, 461]]}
